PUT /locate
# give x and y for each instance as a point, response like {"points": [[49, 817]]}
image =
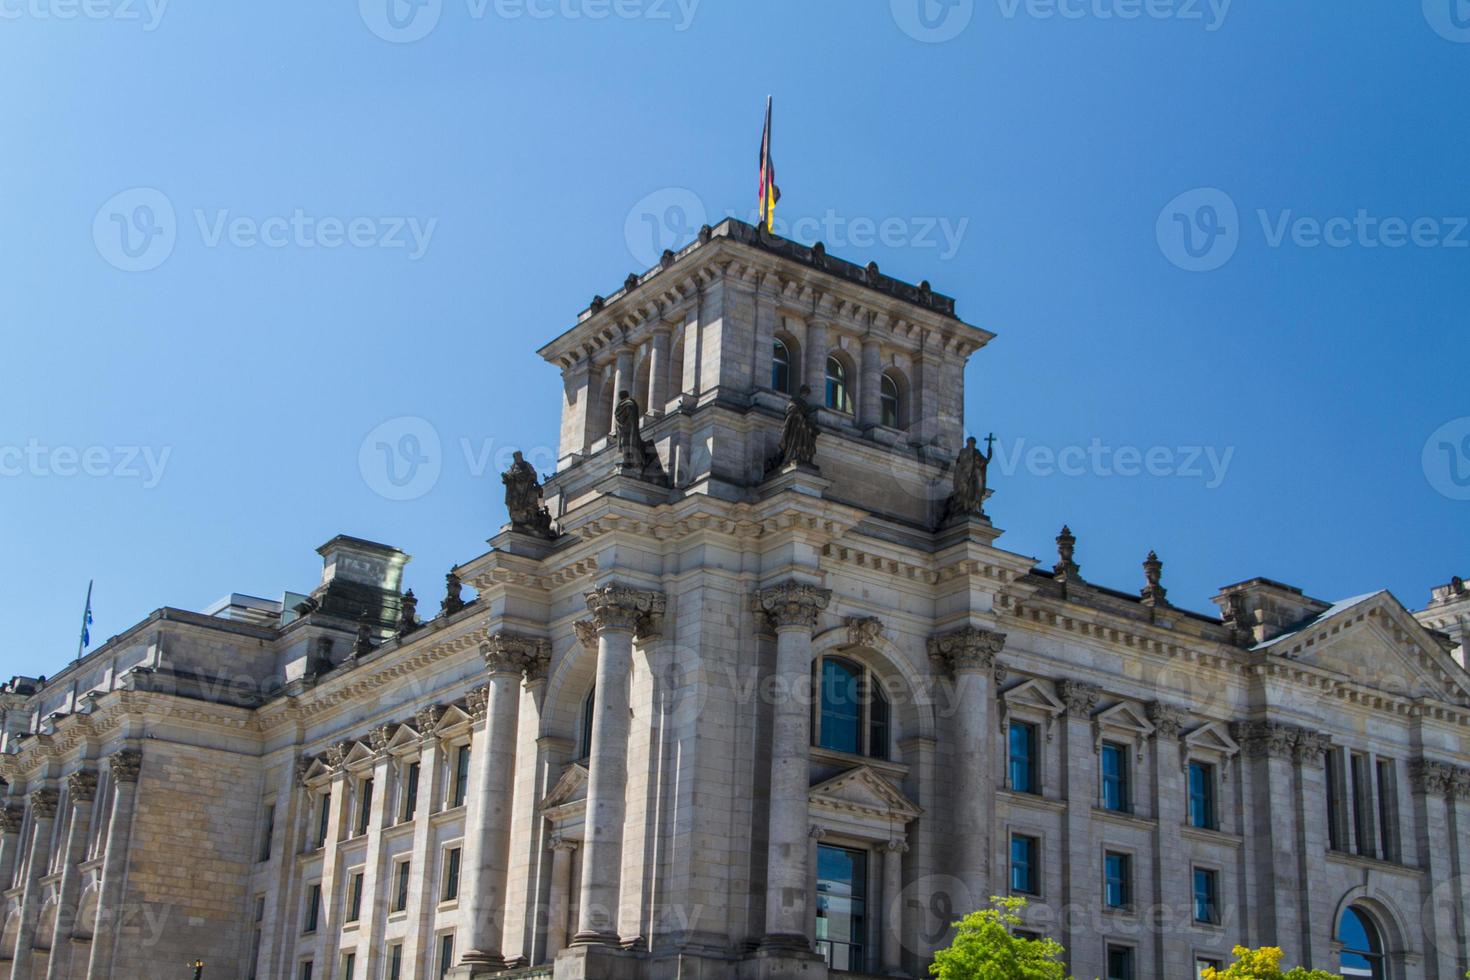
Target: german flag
{"points": [[769, 193]]}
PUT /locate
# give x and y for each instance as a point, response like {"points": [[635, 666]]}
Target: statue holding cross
{"points": [[970, 468]]}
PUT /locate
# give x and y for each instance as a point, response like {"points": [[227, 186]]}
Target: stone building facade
{"points": [[740, 718]]}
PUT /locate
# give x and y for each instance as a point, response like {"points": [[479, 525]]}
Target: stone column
{"points": [[1317, 905], [815, 373], [124, 767], [43, 803], [792, 609], [870, 405], [491, 792], [968, 656], [1171, 883], [1459, 795], [374, 895], [81, 793], [1431, 782], [11, 819], [622, 381], [893, 853], [559, 903], [1270, 832], [1080, 891], [421, 897], [338, 817], [658, 370], [618, 613]]}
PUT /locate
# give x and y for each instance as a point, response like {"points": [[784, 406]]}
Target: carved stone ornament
{"points": [[452, 602], [619, 607], [863, 631], [303, 766], [81, 786], [1066, 567], [586, 631], [1431, 778], [379, 737], [1460, 783], [11, 818], [1153, 593], [514, 653], [897, 846], [408, 617], [1266, 739], [426, 719], [125, 765], [1167, 719], [559, 843], [793, 604], [43, 803], [1080, 697], [969, 648], [336, 754], [1310, 747], [816, 832], [478, 701]]}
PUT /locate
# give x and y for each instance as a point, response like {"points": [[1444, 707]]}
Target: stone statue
{"points": [[452, 602], [408, 617], [628, 418], [970, 469], [799, 431], [523, 498]]}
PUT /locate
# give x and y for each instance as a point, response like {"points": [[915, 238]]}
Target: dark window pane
{"points": [[1115, 777], [781, 368], [841, 721], [1022, 741]]}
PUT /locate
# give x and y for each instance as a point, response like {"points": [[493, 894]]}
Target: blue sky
{"points": [[193, 427]]}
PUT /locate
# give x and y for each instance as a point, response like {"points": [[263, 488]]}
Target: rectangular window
{"points": [[1023, 864], [1362, 805], [395, 962], [313, 907], [364, 806], [324, 814], [1206, 896], [450, 890], [446, 954], [1388, 811], [1120, 962], [1202, 796], [1022, 741], [1115, 777], [1117, 880], [411, 791], [306, 970], [349, 966], [267, 832], [842, 907], [400, 887], [461, 774], [1334, 803], [354, 896]]}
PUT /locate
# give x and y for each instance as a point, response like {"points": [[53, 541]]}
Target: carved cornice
{"points": [[1080, 697], [81, 786], [863, 631], [966, 650], [125, 765], [793, 605], [11, 818], [619, 607], [1266, 739], [43, 803]]}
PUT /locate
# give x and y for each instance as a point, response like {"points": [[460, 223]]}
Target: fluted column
{"points": [[792, 609], [892, 906], [967, 656], [124, 767], [870, 406], [1081, 700], [81, 793], [43, 804], [618, 614], [558, 906], [11, 819], [487, 845], [658, 370]]}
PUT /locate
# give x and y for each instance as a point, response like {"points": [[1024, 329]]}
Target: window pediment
{"points": [[862, 792], [1123, 721], [1033, 699], [569, 795], [1212, 738]]}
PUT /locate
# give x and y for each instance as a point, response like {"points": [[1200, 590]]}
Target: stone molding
{"points": [[81, 786], [621, 607], [43, 803], [970, 648], [793, 605], [1080, 697], [863, 631], [1167, 719], [11, 818], [125, 765]]}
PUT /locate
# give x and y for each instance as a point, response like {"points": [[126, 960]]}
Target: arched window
{"points": [[852, 711], [1362, 949], [781, 367], [837, 395], [588, 710], [888, 399]]}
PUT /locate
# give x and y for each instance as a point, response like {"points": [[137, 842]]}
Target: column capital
{"points": [[11, 818], [426, 718], [966, 650], [336, 755], [793, 604], [1079, 697], [1266, 739], [478, 702], [506, 652], [125, 765], [816, 831], [1167, 719], [1310, 747], [621, 607], [43, 803], [897, 846], [560, 843], [379, 736], [1430, 777], [1460, 783], [81, 786]]}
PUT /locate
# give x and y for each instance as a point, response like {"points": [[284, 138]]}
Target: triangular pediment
{"points": [[1033, 694], [404, 737], [1212, 737], [570, 788], [317, 771], [1373, 640], [864, 790], [359, 756], [1124, 717]]}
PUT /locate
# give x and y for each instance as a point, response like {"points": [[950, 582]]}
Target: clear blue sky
{"points": [[1056, 144]]}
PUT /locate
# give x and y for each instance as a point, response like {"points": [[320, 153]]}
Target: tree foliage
{"points": [[1263, 964], [985, 948]]}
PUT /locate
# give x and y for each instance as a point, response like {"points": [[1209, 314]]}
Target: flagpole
{"points": [[86, 621]]}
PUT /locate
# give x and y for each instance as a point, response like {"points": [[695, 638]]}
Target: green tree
{"points": [[985, 948], [1263, 964]]}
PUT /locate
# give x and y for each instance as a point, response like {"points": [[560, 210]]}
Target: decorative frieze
{"points": [[863, 631], [43, 803], [1080, 697], [1167, 719], [125, 765], [619, 607], [81, 786], [970, 648], [793, 604]]}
